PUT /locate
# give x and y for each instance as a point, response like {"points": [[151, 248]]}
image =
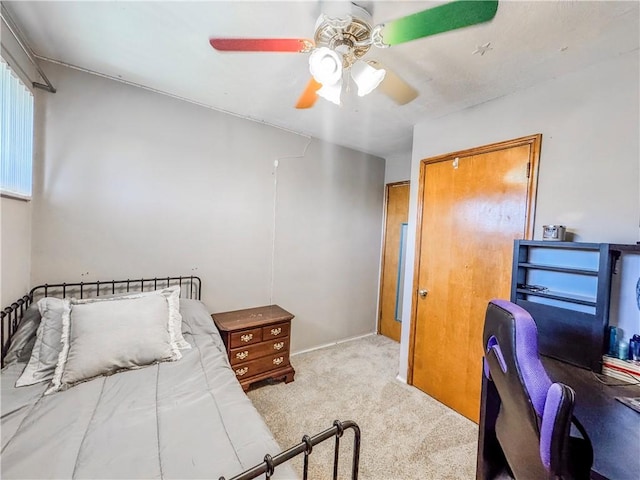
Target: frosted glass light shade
{"points": [[331, 92], [366, 77], [326, 66]]}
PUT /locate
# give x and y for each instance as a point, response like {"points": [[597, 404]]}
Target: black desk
{"points": [[614, 428]]}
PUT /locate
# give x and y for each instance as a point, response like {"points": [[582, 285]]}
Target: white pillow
{"points": [[172, 294], [101, 338], [46, 349]]}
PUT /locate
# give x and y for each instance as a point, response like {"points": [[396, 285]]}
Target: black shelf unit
{"points": [[572, 327], [621, 247]]}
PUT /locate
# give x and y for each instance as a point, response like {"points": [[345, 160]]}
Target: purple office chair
{"points": [[535, 417]]}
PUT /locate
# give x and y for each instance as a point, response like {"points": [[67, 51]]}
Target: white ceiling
{"points": [[164, 46]]}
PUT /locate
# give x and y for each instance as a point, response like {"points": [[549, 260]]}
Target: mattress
{"points": [[183, 419]]}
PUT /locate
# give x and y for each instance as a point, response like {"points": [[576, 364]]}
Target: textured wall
{"points": [[15, 246], [589, 173], [397, 167], [134, 183], [327, 244]]}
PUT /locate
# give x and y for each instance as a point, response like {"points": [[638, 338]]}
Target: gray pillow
{"points": [[47, 346], [195, 318], [172, 294], [101, 338], [24, 338]]}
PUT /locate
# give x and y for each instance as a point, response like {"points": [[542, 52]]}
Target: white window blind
{"points": [[16, 135]]}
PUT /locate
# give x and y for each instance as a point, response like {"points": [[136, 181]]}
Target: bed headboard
{"points": [[10, 317]]}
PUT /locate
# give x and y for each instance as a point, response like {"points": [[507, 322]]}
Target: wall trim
{"points": [[337, 342]]}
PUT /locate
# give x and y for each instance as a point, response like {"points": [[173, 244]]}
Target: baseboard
{"points": [[401, 380], [337, 342]]}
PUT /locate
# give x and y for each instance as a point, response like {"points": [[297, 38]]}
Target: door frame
{"points": [[532, 187], [384, 241]]}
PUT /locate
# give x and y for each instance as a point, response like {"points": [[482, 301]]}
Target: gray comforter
{"points": [[184, 419]]}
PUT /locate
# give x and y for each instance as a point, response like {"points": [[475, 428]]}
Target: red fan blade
{"points": [[309, 96], [261, 44]]}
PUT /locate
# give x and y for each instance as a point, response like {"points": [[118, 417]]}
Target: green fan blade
{"points": [[442, 18]]}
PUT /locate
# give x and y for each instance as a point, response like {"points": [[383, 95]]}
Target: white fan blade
{"points": [[395, 87]]}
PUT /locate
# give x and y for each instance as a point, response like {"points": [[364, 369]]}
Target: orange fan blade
{"points": [[309, 96]]}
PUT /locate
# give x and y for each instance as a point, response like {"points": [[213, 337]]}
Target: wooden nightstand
{"points": [[257, 341]]}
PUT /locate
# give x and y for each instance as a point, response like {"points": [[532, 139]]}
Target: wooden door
{"points": [[472, 205], [397, 213]]}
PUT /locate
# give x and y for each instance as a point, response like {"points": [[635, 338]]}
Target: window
{"points": [[16, 135]]}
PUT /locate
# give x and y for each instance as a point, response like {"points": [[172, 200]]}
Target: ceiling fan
{"points": [[340, 43]]}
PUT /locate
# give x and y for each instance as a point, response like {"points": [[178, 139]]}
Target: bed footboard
{"points": [[267, 467]]}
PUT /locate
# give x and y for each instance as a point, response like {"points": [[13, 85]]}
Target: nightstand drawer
{"points": [[245, 337], [276, 330], [261, 365], [252, 352]]}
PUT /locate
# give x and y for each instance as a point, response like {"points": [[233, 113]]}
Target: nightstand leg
{"points": [[289, 377]]}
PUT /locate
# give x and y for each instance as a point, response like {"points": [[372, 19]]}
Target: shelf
{"points": [[617, 247], [565, 297], [554, 244], [556, 268], [571, 326]]}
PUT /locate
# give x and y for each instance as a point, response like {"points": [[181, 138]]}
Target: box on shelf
{"points": [[624, 370]]}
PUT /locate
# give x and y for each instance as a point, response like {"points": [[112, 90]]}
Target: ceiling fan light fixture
{"points": [[326, 66], [331, 92], [366, 77]]}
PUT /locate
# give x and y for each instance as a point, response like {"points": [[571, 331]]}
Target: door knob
{"points": [[423, 293]]}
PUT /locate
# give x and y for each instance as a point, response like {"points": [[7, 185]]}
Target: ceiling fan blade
{"points": [[395, 87], [310, 95], [443, 18], [262, 44]]}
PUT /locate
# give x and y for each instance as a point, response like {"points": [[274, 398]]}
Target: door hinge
{"points": [[528, 169]]}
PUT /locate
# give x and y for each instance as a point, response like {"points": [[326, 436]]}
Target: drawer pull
{"points": [[276, 331], [241, 371], [247, 337], [278, 346], [278, 361], [242, 355]]}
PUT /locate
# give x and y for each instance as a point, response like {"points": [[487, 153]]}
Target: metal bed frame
{"points": [[191, 287], [305, 447], [10, 317]]}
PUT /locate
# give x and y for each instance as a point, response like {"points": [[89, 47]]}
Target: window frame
{"points": [[17, 73]]}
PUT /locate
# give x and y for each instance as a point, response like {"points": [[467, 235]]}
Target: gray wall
{"points": [[327, 244], [15, 249], [589, 174], [133, 183], [397, 167]]}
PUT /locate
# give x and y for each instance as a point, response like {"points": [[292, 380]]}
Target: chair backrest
{"points": [[534, 420]]}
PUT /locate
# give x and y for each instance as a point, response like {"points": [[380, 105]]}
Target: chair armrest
{"points": [[555, 427]]}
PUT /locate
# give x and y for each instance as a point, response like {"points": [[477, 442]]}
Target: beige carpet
{"points": [[405, 433]]}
